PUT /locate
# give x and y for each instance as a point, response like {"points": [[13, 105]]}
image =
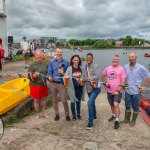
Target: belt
{"points": [[57, 82]]}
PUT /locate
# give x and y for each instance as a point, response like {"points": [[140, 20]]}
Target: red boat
{"points": [[146, 55], [144, 104]]}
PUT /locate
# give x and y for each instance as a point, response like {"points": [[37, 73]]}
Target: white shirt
{"points": [[25, 46]]}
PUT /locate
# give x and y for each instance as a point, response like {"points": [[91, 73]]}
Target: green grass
{"points": [[54, 133], [30, 113], [13, 118], [47, 59], [20, 58], [17, 57]]}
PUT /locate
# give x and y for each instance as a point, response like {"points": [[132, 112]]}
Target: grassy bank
{"points": [[20, 58]]}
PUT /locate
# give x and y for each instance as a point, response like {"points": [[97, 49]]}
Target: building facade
{"points": [[3, 26], [63, 41], [45, 40]]}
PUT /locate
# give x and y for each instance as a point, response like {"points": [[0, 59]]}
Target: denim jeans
{"points": [[91, 104], [76, 106], [132, 100]]}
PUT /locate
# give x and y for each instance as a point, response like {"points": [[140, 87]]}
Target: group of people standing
{"points": [[128, 78], [79, 76], [28, 49]]}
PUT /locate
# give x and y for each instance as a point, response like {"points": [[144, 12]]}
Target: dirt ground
{"points": [[46, 134]]}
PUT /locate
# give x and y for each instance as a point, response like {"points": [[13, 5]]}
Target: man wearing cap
{"points": [[136, 74], [26, 51], [56, 70]]}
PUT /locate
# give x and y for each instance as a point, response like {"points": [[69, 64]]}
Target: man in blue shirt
{"points": [[136, 74], [56, 69]]}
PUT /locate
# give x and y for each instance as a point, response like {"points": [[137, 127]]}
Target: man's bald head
{"points": [[132, 58], [132, 54], [59, 53]]}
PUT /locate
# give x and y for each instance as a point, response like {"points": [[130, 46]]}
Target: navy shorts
{"points": [[114, 98], [26, 56]]}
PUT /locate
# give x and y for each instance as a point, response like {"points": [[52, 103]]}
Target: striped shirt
{"points": [[135, 77]]}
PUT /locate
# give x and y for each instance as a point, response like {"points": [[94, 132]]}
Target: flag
{"points": [[10, 76], [21, 75], [2, 76], [87, 72], [125, 86], [107, 85], [49, 79], [93, 84], [78, 82], [64, 81], [30, 76]]}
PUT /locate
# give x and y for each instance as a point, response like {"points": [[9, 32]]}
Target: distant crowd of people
{"points": [[28, 50], [115, 78]]}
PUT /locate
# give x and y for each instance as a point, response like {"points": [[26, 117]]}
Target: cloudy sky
{"points": [[78, 18]]}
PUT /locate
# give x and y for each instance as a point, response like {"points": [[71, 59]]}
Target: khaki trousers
{"points": [[57, 88]]}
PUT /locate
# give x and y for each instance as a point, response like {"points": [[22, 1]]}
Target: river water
{"points": [[103, 57]]}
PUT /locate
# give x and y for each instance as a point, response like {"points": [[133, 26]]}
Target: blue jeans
{"points": [[91, 104], [77, 105], [132, 100]]}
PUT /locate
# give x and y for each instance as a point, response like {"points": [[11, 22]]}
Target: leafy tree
{"points": [[121, 39], [102, 44], [75, 42], [135, 42], [113, 43], [127, 40], [88, 42]]}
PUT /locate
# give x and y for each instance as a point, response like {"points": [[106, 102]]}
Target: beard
{"points": [[131, 62]]}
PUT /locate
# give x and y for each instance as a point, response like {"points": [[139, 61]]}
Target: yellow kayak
{"points": [[13, 93]]}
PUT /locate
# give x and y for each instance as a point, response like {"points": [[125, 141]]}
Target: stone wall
{"points": [[21, 111]]}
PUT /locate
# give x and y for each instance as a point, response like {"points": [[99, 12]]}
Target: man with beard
{"points": [[115, 76], [136, 74]]}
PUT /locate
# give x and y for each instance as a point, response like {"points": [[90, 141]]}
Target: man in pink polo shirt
{"points": [[115, 76]]}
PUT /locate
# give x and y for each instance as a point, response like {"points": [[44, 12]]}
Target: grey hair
{"points": [[116, 56], [132, 53], [38, 50]]}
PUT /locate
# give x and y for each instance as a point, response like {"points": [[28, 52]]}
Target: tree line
{"points": [[107, 43]]}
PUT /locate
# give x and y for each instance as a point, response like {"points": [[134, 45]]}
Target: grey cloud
{"points": [[78, 18]]}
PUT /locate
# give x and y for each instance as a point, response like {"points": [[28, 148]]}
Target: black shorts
{"points": [[114, 98]]}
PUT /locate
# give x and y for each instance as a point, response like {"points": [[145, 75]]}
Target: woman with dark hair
{"points": [[75, 86]]}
